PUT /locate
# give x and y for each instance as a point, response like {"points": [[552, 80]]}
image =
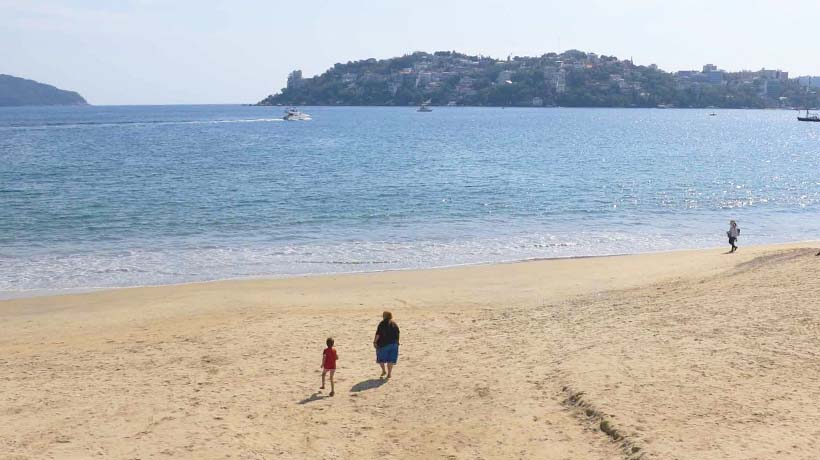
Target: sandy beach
{"points": [[680, 355]]}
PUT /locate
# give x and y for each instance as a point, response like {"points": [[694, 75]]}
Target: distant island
{"points": [[15, 91], [571, 79]]}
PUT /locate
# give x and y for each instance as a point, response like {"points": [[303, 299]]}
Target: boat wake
{"points": [[91, 124]]}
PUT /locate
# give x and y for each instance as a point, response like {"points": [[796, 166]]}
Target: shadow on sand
{"points": [[368, 385], [314, 397]]}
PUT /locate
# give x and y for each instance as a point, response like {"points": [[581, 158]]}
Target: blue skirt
{"points": [[388, 353]]}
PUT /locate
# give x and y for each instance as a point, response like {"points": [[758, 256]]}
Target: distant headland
{"points": [[571, 79], [15, 91]]}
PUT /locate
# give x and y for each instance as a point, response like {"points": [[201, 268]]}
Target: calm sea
{"points": [[94, 197]]}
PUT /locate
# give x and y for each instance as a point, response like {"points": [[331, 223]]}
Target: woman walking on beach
{"points": [[386, 343], [733, 233]]}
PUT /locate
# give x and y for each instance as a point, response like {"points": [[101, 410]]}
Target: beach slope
{"points": [[691, 354]]}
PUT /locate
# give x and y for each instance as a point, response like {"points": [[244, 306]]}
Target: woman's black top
{"points": [[388, 333]]}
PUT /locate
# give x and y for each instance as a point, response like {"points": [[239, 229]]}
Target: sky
{"points": [[239, 51]]}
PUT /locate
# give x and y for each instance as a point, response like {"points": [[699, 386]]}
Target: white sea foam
{"points": [[140, 267]]}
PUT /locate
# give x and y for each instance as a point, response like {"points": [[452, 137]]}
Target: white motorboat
{"points": [[292, 114]]}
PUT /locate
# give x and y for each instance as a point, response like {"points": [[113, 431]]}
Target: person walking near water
{"points": [[733, 234], [386, 343]]}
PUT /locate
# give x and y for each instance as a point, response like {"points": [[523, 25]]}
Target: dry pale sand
{"points": [[685, 355]]}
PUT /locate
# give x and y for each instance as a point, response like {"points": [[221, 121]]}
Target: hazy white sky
{"points": [[215, 51]]}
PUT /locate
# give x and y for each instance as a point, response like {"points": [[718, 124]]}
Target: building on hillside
{"points": [[561, 82], [774, 74], [768, 74], [467, 62], [619, 81], [504, 76], [369, 76], [295, 79], [772, 88], [710, 75], [423, 79], [809, 81], [713, 77], [550, 75], [465, 87]]}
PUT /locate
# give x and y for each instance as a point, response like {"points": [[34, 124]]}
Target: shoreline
{"points": [[46, 293], [512, 107]]}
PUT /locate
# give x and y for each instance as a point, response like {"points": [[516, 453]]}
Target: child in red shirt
{"points": [[329, 358]]}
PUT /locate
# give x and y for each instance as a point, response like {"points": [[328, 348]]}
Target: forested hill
{"points": [[16, 91], [572, 78]]}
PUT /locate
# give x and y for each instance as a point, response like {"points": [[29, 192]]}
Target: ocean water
{"points": [[96, 197]]}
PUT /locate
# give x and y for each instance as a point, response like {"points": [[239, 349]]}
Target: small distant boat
{"points": [[424, 107], [808, 117], [712, 114], [292, 114]]}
